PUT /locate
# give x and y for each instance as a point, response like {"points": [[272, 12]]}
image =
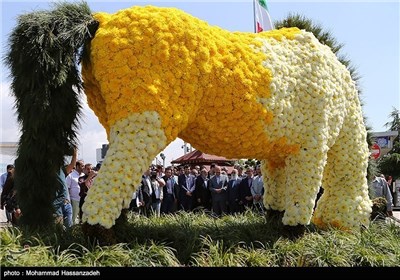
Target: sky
{"points": [[369, 31]]}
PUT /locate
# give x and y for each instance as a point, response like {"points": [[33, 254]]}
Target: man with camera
{"points": [[85, 182], [150, 192]]}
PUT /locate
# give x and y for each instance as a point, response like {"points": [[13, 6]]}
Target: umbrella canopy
{"points": [[197, 157]]}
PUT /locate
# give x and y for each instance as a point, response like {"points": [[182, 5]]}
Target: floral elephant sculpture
{"points": [[153, 74]]}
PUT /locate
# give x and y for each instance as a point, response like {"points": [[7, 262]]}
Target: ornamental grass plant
{"points": [[200, 240]]}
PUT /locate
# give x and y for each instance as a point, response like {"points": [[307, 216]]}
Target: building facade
{"points": [[384, 140]]}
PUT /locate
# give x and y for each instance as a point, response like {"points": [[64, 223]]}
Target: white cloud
{"points": [[8, 122]]}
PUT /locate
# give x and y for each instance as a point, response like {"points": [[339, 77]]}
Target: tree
{"points": [[390, 163], [395, 123], [251, 162], [46, 92]]}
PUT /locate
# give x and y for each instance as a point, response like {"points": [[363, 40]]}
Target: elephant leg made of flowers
{"points": [[153, 74]]}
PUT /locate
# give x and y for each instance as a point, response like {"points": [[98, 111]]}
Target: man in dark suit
{"points": [[233, 192], [246, 198], [186, 188], [202, 195], [146, 192], [170, 192], [218, 185]]}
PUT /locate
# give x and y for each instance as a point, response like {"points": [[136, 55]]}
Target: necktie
{"points": [[170, 183], [148, 183]]}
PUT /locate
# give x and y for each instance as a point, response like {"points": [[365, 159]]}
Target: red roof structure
{"points": [[197, 157]]}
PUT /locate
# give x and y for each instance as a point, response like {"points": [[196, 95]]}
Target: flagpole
{"points": [[254, 16], [262, 19]]}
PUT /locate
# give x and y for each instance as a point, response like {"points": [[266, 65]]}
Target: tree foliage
{"points": [[44, 53], [390, 163]]}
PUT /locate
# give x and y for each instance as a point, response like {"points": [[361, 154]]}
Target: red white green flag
{"points": [[262, 20]]}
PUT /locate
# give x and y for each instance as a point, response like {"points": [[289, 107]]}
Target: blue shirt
{"points": [[62, 193], [381, 189]]}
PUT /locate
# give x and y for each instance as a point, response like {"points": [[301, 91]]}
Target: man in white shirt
{"points": [[72, 181]]}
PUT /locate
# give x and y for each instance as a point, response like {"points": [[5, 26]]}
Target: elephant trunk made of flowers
{"points": [[153, 74]]}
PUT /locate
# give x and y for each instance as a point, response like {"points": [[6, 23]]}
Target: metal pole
{"points": [[184, 148], [254, 16]]}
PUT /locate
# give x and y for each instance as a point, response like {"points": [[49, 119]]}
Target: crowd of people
{"points": [[73, 183], [166, 191], [217, 192], [193, 189]]}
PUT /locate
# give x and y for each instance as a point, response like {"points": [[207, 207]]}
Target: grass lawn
{"points": [[199, 240]]}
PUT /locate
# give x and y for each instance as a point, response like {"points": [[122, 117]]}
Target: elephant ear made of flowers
{"points": [[153, 74]]}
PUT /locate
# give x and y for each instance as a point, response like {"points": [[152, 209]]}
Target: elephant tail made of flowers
{"points": [[153, 74]]}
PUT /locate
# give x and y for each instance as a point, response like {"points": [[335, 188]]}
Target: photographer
{"points": [[157, 184], [85, 182], [9, 199]]}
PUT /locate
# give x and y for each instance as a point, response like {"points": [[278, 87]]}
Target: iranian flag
{"points": [[263, 21]]}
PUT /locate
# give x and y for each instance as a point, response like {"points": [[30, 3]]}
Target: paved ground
{"points": [[396, 215], [3, 218]]}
